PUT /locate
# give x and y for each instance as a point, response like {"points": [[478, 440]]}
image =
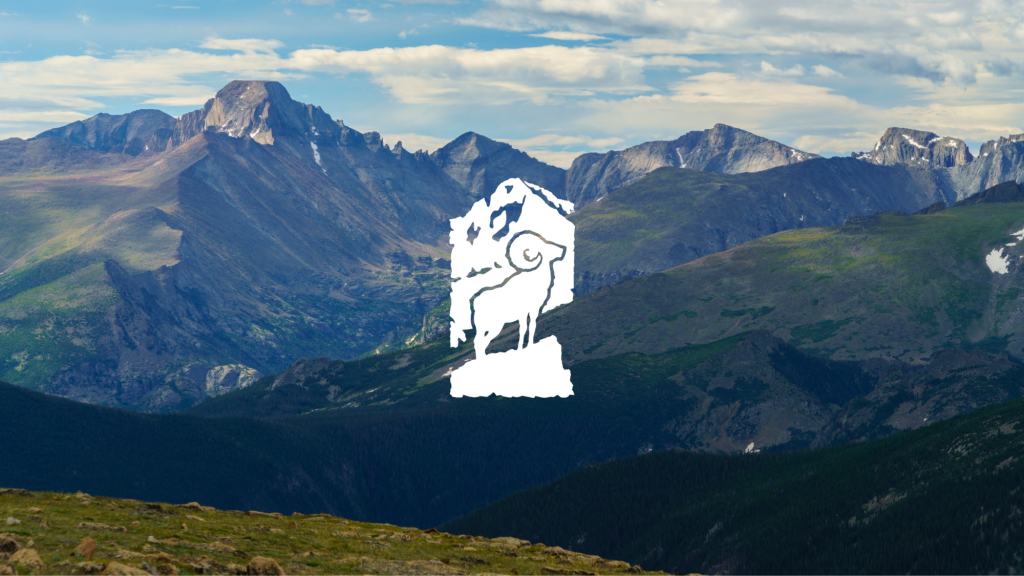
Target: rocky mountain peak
{"points": [[730, 150], [469, 146], [917, 148], [722, 149], [264, 111], [993, 146], [480, 164]]}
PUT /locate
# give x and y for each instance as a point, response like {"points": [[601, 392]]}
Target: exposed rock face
{"points": [[480, 164], [1000, 193], [998, 161], [139, 132], [722, 149], [917, 148], [262, 111]]}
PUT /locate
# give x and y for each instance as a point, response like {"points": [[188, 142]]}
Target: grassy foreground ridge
{"points": [[55, 533]]}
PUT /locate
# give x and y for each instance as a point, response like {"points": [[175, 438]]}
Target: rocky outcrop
{"points": [[998, 161], [263, 566], [721, 149], [263, 111], [1000, 193], [917, 148], [481, 164]]}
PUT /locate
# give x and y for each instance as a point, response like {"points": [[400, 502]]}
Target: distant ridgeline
{"points": [[152, 262]]}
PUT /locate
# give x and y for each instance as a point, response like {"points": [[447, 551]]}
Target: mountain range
{"points": [[153, 262]]}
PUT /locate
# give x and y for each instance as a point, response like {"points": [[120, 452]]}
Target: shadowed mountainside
{"points": [[380, 439], [944, 499]]}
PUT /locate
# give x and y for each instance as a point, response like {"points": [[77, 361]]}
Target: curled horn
{"points": [[524, 251]]}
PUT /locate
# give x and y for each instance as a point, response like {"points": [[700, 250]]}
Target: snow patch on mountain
{"points": [[997, 262]]}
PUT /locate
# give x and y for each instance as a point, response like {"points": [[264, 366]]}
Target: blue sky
{"points": [[553, 77]]}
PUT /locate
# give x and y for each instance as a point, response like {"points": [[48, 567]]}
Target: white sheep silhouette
{"points": [[522, 295]]}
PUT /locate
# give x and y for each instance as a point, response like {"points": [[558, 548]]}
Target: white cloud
{"points": [[197, 100], [407, 33], [430, 75], [442, 74], [570, 36], [825, 71], [812, 118], [598, 92], [559, 150], [84, 17], [65, 116], [941, 40], [359, 14], [770, 70], [245, 45], [318, 2]]}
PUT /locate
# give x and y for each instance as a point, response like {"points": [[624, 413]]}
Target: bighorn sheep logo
{"points": [[512, 260]]}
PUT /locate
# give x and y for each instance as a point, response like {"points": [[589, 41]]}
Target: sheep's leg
{"points": [[480, 344], [533, 327]]}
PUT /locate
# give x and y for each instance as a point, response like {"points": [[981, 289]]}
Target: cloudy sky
{"points": [[552, 77]]}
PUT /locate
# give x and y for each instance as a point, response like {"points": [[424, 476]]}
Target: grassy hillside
{"points": [[944, 499], [54, 533], [673, 215], [888, 285]]}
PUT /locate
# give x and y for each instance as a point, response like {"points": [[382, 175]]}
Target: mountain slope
{"points": [[721, 149], [673, 216], [944, 499], [270, 232], [888, 285]]}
